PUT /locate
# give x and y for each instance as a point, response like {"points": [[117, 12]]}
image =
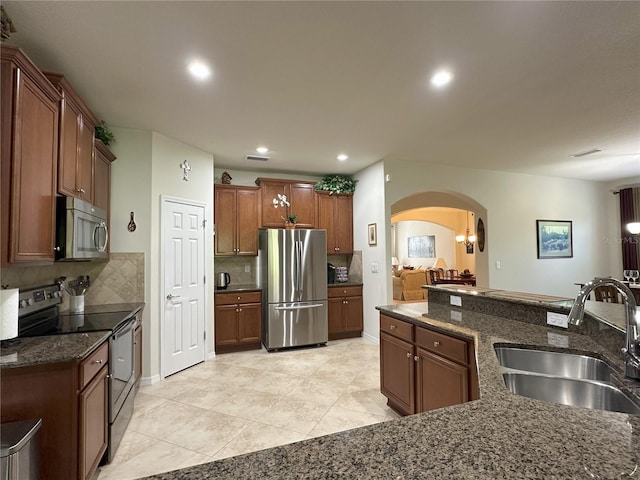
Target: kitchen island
{"points": [[501, 435]]}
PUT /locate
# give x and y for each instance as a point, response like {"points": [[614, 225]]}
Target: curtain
{"points": [[629, 212]]}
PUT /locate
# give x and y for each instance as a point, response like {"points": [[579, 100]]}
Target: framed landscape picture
{"points": [[555, 238], [423, 246], [372, 234]]}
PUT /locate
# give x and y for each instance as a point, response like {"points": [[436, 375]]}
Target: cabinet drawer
{"points": [[444, 345], [335, 292], [91, 365], [238, 297], [396, 327]]}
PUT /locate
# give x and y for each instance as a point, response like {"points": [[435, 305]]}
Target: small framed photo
{"points": [[555, 238], [372, 234]]}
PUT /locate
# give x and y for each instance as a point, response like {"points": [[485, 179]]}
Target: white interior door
{"points": [[184, 289]]}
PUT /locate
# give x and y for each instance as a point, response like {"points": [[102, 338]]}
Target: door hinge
{"points": [[204, 280], [205, 334], [204, 223]]}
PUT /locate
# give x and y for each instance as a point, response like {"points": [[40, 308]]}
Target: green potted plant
{"points": [[337, 184], [104, 134]]}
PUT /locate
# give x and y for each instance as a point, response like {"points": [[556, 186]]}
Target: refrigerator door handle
{"points": [[298, 274], [299, 307]]}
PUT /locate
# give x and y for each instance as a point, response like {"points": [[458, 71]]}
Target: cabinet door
{"points": [[335, 316], [70, 119], [249, 323], [325, 205], [271, 216], [440, 382], [353, 314], [93, 424], [84, 182], [226, 325], [397, 373], [33, 176], [302, 199], [343, 224], [102, 183], [225, 220], [247, 216]]}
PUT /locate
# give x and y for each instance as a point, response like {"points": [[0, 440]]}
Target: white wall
{"points": [[131, 192], [513, 204], [166, 177], [444, 242], [369, 207], [147, 168]]}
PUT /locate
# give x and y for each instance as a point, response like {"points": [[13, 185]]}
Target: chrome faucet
{"points": [[632, 351]]}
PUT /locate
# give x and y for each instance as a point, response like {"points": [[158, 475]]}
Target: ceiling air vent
{"points": [[260, 158]]}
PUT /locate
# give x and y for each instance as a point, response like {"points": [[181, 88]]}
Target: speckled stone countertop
{"points": [[238, 288], [344, 284], [500, 436], [30, 351]]}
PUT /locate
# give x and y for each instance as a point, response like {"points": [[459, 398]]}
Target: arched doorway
{"points": [[454, 200]]}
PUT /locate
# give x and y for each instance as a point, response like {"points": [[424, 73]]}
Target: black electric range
{"points": [[39, 315]]}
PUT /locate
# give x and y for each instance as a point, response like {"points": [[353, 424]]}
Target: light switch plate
{"points": [[374, 267], [455, 300], [557, 319]]}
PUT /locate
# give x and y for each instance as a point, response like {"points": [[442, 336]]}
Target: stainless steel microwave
{"points": [[81, 230]]}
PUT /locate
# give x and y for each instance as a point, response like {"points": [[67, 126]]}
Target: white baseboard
{"points": [[371, 338], [145, 381], [211, 355]]}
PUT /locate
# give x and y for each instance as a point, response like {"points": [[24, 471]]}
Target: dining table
{"points": [[457, 280]]}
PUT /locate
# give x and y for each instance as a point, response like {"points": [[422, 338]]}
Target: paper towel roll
{"points": [[9, 313]]}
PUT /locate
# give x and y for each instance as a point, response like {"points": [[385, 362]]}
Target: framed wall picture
{"points": [[554, 238], [372, 234], [422, 246]]}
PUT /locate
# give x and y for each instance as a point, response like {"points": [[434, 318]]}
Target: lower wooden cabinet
{"points": [[238, 321], [71, 399], [345, 312], [422, 369]]}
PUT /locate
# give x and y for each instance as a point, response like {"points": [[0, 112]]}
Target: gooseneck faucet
{"points": [[632, 351]]}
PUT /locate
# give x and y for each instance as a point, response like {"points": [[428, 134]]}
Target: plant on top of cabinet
{"points": [[337, 184], [103, 133]]}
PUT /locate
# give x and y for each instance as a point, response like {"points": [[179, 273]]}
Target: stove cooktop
{"points": [[56, 324]]}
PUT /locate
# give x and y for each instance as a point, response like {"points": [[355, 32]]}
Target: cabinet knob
{"points": [[337, 249], [392, 327], [238, 298], [81, 190], [415, 358], [56, 249], [436, 344], [97, 362], [346, 301], [408, 354]]}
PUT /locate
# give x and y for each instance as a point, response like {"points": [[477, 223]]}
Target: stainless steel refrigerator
{"points": [[293, 278]]}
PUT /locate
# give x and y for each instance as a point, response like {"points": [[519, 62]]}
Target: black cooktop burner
{"points": [[73, 323]]}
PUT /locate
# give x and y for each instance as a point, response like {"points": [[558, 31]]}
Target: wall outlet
{"points": [[374, 267], [498, 265], [247, 268], [455, 300], [557, 319], [456, 315]]}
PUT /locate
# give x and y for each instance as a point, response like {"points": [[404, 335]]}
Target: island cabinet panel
{"points": [[237, 213], [137, 346], [71, 399], [29, 152], [345, 311], [442, 365], [335, 215], [300, 195], [238, 321]]}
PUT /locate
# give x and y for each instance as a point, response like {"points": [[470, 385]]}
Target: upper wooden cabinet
{"points": [[76, 145], [102, 177], [29, 149], [300, 194], [236, 215], [335, 215]]}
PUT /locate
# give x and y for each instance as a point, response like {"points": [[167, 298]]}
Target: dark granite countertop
{"points": [[249, 287], [502, 435], [30, 351], [344, 284]]}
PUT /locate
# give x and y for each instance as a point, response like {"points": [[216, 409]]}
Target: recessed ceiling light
{"points": [[586, 152], [441, 78], [342, 157], [199, 70], [262, 150]]}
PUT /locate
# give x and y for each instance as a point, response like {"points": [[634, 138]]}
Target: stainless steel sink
{"points": [[554, 363], [569, 391]]}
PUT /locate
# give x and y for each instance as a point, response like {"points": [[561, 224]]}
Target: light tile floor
{"points": [[243, 402]]}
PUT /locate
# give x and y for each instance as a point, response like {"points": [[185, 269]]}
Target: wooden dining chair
{"points": [[452, 273], [607, 294]]}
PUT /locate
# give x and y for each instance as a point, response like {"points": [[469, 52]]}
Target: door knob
{"points": [[170, 296]]}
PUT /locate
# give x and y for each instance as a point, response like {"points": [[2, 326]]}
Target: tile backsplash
{"points": [[120, 280], [236, 267]]}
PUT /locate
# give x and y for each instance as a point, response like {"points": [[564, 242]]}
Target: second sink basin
{"points": [[569, 391], [554, 363]]}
